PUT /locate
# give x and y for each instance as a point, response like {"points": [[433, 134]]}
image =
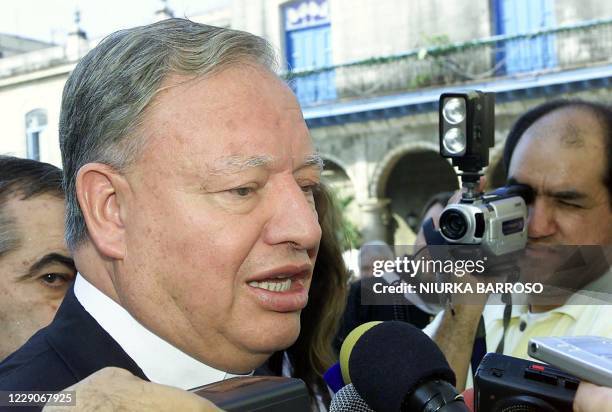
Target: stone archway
{"points": [[378, 183], [409, 178], [338, 180], [340, 183], [332, 162]]}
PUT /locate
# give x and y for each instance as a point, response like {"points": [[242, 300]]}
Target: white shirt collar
{"points": [[160, 361]]}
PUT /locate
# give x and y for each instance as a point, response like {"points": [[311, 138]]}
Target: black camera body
{"points": [[503, 384], [467, 128]]}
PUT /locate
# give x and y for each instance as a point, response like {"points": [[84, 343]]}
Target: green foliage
{"points": [[421, 80], [436, 40], [349, 235]]}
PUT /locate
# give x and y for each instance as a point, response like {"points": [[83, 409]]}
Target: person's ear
{"points": [[99, 190]]}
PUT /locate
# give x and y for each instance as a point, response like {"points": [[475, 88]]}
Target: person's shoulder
{"points": [[35, 366], [599, 318], [494, 312]]}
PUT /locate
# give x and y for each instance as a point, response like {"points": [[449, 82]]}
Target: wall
{"points": [[16, 100]]}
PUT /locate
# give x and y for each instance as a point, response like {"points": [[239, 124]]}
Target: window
{"points": [[522, 17], [308, 47], [36, 123]]}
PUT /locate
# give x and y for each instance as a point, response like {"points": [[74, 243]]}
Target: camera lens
{"points": [[454, 110], [453, 224]]}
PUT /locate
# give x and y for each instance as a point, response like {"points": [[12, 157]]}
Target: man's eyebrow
{"points": [[570, 194], [46, 260], [236, 164], [311, 160]]}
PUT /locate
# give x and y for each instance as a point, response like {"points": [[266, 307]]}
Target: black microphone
{"points": [[395, 367]]}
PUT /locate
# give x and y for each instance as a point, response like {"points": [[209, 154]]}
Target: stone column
{"points": [[376, 218]]}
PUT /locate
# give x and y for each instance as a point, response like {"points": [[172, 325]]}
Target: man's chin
{"points": [[249, 364], [277, 341], [258, 351], [275, 336]]}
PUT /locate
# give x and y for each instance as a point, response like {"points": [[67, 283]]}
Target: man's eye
{"points": [[242, 191], [570, 205], [310, 188], [54, 280]]}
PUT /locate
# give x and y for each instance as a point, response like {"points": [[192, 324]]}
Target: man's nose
{"points": [[294, 219], [541, 223]]}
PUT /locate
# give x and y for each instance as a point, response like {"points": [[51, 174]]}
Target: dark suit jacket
{"points": [[71, 348], [357, 313]]}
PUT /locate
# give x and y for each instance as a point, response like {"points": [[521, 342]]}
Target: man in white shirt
{"points": [[189, 175], [562, 151]]}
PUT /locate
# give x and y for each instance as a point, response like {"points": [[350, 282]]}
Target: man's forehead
{"points": [[221, 85], [18, 206], [568, 135], [561, 153], [28, 218], [572, 127], [557, 168], [203, 116]]}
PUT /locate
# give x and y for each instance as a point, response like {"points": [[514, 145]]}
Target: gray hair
{"points": [[108, 92]]}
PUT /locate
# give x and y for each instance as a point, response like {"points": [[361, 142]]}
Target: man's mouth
{"points": [[276, 285], [283, 289]]}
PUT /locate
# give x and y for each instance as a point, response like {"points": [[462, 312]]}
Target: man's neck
{"points": [[97, 272]]}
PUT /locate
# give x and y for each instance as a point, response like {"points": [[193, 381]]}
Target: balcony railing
{"points": [[561, 48]]}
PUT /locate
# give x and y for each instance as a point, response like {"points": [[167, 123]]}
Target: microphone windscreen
{"points": [[390, 360], [348, 400], [347, 347]]}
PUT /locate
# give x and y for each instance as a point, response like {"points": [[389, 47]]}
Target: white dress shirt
{"points": [[159, 360]]}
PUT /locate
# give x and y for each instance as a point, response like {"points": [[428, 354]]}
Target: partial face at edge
{"points": [[221, 228], [561, 156], [36, 275]]}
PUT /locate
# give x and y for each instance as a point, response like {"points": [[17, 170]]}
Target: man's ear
{"points": [[99, 190]]}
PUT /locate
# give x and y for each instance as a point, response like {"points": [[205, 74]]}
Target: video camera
{"points": [[495, 221], [503, 383]]}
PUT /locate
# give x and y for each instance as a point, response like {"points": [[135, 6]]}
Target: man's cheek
{"points": [[202, 296]]}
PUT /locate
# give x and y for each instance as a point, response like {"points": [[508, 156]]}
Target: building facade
{"points": [[368, 74]]}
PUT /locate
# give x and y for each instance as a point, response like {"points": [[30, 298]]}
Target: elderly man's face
{"points": [[37, 273], [562, 157], [221, 228]]}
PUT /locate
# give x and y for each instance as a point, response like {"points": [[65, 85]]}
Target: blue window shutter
{"points": [[310, 48], [524, 16]]}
